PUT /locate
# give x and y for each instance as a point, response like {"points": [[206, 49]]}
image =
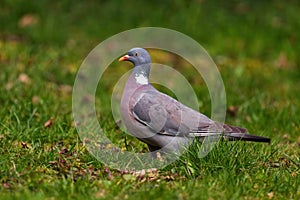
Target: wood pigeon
{"points": [[162, 122]]}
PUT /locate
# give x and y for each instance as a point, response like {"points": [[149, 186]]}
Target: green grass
{"points": [[254, 44]]}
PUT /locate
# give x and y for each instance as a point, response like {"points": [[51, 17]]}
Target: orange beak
{"points": [[124, 58]]}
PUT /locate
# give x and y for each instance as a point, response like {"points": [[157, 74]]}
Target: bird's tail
{"points": [[246, 137]]}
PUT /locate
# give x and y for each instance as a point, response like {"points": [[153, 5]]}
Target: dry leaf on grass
{"points": [[270, 195], [24, 78], [9, 86], [48, 123], [25, 145], [294, 174], [5, 185], [35, 99], [282, 61], [28, 20], [232, 110], [65, 88]]}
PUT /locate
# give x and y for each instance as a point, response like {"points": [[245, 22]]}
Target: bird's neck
{"points": [[141, 74]]}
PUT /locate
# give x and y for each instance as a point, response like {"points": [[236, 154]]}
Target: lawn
{"points": [[42, 45]]}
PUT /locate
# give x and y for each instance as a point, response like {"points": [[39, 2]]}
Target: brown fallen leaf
{"points": [[24, 145], [88, 98], [276, 164], [5, 185], [232, 110], [149, 172], [24, 78], [63, 150], [65, 88], [282, 61], [248, 118], [28, 20], [100, 194], [53, 162], [294, 174], [9, 86], [141, 175], [35, 99], [270, 195], [285, 136], [48, 123]]}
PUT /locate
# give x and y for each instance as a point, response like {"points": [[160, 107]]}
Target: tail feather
{"points": [[246, 137]]}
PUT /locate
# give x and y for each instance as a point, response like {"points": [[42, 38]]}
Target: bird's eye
{"points": [[136, 54]]}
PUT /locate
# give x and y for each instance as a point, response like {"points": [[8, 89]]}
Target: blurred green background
{"points": [[255, 45]]}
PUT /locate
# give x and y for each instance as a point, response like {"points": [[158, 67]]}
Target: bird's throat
{"points": [[141, 74], [141, 79]]}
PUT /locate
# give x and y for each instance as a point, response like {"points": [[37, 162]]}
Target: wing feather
{"points": [[164, 115]]}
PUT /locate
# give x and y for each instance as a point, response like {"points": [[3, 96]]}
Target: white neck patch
{"points": [[141, 79]]}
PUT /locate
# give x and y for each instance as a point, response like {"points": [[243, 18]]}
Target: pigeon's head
{"points": [[138, 56]]}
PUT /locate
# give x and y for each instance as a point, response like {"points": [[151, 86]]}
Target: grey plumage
{"points": [[161, 121]]}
